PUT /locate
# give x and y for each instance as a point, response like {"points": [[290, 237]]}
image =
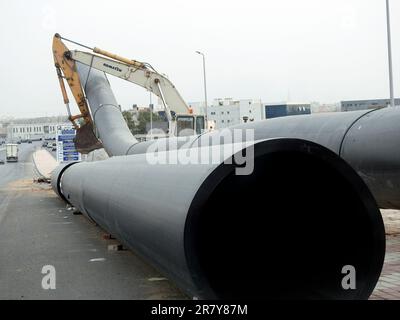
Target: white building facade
{"points": [[34, 131], [223, 113], [229, 112]]}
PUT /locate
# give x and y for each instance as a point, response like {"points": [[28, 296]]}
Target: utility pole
{"points": [[205, 84], [151, 118], [392, 101]]}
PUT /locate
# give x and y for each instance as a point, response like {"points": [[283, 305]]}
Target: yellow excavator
{"points": [[179, 115]]}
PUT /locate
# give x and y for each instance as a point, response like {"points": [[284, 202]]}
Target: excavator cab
{"points": [[189, 125]]}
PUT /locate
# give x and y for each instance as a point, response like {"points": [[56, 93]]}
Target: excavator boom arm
{"points": [[136, 73], [66, 69], [139, 73]]}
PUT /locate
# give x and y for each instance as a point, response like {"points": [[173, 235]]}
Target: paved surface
{"points": [[388, 287], [36, 229]]}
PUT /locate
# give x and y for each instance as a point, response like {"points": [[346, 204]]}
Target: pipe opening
{"points": [[287, 230]]}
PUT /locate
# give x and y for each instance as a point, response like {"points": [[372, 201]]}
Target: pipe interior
{"points": [[285, 232]]}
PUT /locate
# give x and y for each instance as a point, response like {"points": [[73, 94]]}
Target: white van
{"points": [[12, 152]]}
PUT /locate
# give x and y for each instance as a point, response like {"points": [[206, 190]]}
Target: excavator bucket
{"points": [[85, 140]]}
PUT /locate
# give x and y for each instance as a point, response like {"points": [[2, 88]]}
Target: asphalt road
{"points": [[37, 230]]}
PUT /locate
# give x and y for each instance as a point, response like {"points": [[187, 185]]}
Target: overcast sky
{"points": [[301, 50]]}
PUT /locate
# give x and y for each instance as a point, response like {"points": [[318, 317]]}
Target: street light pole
{"points": [[392, 102], [151, 118], [205, 84]]}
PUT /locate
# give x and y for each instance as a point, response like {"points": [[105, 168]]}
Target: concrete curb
{"points": [[44, 163]]}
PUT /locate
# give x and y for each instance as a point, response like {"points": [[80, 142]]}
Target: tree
{"points": [[129, 121], [143, 119]]}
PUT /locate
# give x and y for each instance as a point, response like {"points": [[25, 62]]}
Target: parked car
{"points": [[1, 161]]}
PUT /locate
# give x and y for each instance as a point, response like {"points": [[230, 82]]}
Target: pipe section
{"points": [[283, 232], [106, 114], [368, 140], [56, 182], [372, 147]]}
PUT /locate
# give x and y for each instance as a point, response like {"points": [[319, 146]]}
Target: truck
{"points": [[11, 152]]}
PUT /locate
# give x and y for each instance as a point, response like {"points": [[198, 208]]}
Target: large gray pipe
{"points": [[110, 124], [290, 226], [285, 231], [368, 140]]}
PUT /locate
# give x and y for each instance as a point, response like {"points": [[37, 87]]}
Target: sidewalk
{"points": [[388, 287]]}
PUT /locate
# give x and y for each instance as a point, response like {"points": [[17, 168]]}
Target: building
{"points": [[3, 132], [317, 107], [276, 110], [228, 112], [355, 105], [32, 131]]}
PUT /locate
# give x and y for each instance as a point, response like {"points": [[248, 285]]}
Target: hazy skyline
{"points": [[308, 50]]}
